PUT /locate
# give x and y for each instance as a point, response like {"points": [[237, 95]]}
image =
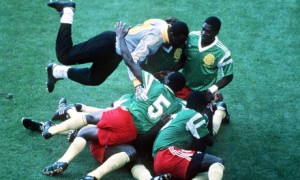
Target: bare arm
{"points": [[121, 33], [224, 81]]}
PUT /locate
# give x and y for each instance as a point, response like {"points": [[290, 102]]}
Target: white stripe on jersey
{"points": [[148, 80], [185, 154]]}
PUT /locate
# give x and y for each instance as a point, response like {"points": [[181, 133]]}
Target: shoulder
{"points": [[221, 45], [193, 34]]}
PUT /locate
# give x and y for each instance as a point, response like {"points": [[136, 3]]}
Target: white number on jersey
{"points": [[192, 127], [156, 109]]}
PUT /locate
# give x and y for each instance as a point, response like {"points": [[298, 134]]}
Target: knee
{"points": [[220, 160], [97, 80], [131, 152], [92, 118], [65, 60], [89, 134]]}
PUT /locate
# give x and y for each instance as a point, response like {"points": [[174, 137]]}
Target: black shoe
{"points": [[165, 176], [72, 135], [56, 168], [32, 125], [51, 79], [88, 178], [59, 5], [46, 127], [62, 112]]}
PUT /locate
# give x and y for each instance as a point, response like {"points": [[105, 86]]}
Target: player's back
{"points": [[161, 100]]}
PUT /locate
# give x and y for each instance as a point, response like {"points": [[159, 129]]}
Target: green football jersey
{"points": [[164, 59], [205, 66], [161, 100], [180, 130], [125, 100]]}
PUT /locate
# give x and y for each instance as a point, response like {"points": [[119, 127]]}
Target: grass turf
{"points": [[262, 140]]}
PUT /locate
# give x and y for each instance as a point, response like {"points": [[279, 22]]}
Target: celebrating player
{"points": [[101, 50]]}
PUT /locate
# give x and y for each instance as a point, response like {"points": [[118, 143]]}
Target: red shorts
{"points": [[174, 161], [116, 127], [183, 93], [97, 151]]}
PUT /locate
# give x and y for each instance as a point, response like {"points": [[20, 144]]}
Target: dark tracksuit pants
{"points": [[98, 50]]}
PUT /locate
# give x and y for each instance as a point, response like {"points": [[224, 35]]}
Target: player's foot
{"points": [[56, 168], [222, 106], [165, 176], [51, 79], [72, 135], [78, 107], [62, 112], [46, 127], [31, 124], [59, 5], [88, 178]]}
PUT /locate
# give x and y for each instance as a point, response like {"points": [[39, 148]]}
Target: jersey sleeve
{"points": [[226, 64], [148, 45]]}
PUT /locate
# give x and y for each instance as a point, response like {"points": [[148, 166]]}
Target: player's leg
{"points": [[220, 116], [202, 162], [64, 43], [84, 135], [114, 158], [76, 122], [37, 126]]}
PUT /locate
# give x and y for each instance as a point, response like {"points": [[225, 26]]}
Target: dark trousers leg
{"points": [[64, 44], [98, 50]]}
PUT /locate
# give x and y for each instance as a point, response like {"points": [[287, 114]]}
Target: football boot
{"points": [[51, 79], [62, 112], [165, 176], [56, 168], [46, 127], [72, 135], [32, 125], [59, 5], [88, 178]]}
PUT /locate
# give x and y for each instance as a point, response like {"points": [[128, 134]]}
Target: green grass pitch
{"points": [[261, 142]]}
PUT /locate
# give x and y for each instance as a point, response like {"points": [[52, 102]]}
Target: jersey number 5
{"points": [[157, 108]]}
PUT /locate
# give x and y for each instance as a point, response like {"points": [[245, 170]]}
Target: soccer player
{"points": [[208, 66], [138, 170], [120, 125], [171, 149], [143, 40]]}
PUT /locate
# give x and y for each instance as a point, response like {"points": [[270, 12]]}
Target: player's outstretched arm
{"points": [[121, 33]]}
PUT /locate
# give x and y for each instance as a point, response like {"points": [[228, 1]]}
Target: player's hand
{"points": [[140, 93], [218, 97], [120, 29]]}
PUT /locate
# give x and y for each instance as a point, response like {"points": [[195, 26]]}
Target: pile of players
{"points": [[174, 113]]}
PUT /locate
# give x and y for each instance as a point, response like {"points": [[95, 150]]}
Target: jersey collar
{"points": [[206, 47]]}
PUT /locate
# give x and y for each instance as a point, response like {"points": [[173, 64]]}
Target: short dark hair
{"points": [[196, 100], [215, 22], [171, 20], [179, 28], [176, 81]]}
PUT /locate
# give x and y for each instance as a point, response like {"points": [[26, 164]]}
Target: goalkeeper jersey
{"points": [[145, 39], [205, 66], [180, 130], [161, 100]]}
